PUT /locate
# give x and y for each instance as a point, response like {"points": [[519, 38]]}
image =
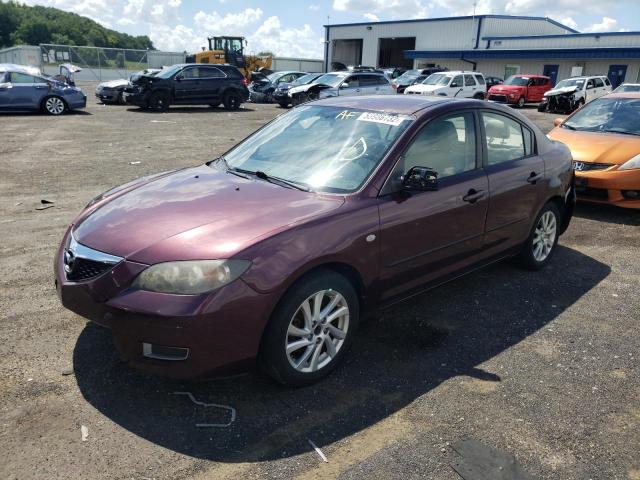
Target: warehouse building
{"points": [[496, 45]]}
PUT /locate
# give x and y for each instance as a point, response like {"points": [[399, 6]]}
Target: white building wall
{"points": [[22, 55], [519, 26], [571, 41], [299, 64], [158, 59]]}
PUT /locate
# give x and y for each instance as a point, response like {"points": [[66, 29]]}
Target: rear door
{"points": [[425, 235], [369, 85], [470, 86], [211, 80], [516, 179], [383, 86]]}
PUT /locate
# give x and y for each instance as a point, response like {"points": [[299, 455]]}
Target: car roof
{"points": [[529, 76], [12, 67], [629, 95], [400, 104]]}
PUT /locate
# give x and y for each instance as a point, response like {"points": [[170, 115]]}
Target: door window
{"points": [[21, 78], [480, 79], [469, 81], [589, 84], [447, 145], [504, 139], [368, 81], [210, 72], [353, 81], [456, 82], [190, 73], [598, 82]]}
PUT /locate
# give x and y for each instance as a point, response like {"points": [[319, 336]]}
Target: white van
{"points": [[451, 84]]}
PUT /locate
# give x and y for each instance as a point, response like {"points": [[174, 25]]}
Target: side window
{"points": [[211, 72], [528, 141], [469, 81], [598, 82], [447, 144], [368, 81], [380, 80], [456, 82], [353, 81], [480, 79], [504, 138], [589, 84], [607, 82], [190, 73], [286, 78], [21, 78]]}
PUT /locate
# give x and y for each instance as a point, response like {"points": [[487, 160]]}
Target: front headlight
{"points": [[190, 277], [630, 164]]}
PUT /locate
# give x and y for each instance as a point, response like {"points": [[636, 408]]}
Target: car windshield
{"points": [[275, 76], [409, 75], [614, 115], [517, 81], [326, 148], [437, 79], [571, 82], [169, 72], [627, 88], [332, 79], [303, 80]]}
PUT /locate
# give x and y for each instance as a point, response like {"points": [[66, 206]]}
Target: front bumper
{"points": [[135, 98], [221, 331], [108, 95], [501, 98], [609, 186]]}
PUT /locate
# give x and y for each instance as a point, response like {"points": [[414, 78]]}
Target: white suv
{"points": [[451, 84], [572, 93]]}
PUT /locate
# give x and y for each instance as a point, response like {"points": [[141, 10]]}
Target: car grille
{"points": [[599, 193], [498, 98], [411, 92], [588, 166], [84, 269]]}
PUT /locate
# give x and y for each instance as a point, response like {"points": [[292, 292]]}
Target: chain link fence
{"points": [[102, 64]]}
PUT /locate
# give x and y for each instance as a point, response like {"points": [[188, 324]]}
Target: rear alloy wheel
{"points": [[521, 102], [311, 329], [231, 101], [159, 102], [543, 239], [54, 106]]}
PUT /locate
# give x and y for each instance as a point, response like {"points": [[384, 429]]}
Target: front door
{"points": [[551, 71], [516, 180], [188, 87], [350, 86], [427, 234], [22, 92], [617, 74]]}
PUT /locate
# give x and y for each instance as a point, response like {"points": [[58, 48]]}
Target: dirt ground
{"points": [[541, 365]]}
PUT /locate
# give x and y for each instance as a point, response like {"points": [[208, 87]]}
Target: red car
{"points": [[520, 89]]}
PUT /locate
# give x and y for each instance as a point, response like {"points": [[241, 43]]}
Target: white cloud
{"points": [[215, 23], [287, 42], [386, 8], [607, 24], [371, 16]]}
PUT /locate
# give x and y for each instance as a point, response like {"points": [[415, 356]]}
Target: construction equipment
{"points": [[231, 50]]}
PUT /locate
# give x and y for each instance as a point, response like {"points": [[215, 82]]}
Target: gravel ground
{"points": [[541, 365]]}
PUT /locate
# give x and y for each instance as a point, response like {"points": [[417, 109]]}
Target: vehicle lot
{"points": [[542, 365]]}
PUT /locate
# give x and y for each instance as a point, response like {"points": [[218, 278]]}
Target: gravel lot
{"points": [[540, 365]]}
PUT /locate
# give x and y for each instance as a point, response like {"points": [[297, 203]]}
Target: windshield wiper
{"points": [[276, 180], [624, 132], [568, 126], [228, 168]]}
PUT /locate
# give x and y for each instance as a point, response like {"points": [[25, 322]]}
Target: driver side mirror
{"points": [[344, 85], [558, 121], [420, 178], [454, 85], [179, 77]]}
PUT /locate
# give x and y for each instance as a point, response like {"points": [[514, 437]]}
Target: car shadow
{"points": [[194, 109], [399, 355], [38, 113], [607, 213]]}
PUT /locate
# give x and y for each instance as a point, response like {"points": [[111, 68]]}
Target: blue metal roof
{"points": [[551, 53], [439, 19]]}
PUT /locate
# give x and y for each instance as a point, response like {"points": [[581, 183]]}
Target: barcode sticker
{"points": [[385, 118]]}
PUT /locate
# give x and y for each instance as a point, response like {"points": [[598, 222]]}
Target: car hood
{"points": [[197, 213], [598, 147], [114, 83], [305, 88], [506, 88], [560, 91], [425, 88]]}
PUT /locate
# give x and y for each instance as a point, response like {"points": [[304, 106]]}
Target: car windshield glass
{"points": [[627, 88], [332, 79], [169, 72], [274, 76], [303, 80], [437, 79], [571, 82], [621, 115], [325, 148], [518, 81], [409, 75]]}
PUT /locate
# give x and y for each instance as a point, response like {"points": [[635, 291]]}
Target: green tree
{"points": [[8, 23], [32, 32]]}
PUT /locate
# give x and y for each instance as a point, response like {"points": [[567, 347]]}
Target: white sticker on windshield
{"points": [[385, 118]]}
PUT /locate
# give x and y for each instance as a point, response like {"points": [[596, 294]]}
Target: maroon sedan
{"points": [[275, 250]]}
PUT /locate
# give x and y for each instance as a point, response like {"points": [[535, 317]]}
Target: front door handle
{"points": [[534, 177], [473, 195]]}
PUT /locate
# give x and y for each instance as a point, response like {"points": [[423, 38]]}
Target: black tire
{"points": [[120, 99], [542, 107], [283, 105], [232, 101], [479, 96], [521, 102], [274, 358], [159, 102], [268, 96], [527, 257], [53, 105]]}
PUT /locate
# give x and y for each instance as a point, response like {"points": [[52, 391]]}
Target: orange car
{"points": [[604, 139]]}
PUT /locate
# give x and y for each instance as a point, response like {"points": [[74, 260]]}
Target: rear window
{"points": [[480, 79]]}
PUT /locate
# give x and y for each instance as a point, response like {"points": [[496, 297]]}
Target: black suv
{"points": [[189, 84]]}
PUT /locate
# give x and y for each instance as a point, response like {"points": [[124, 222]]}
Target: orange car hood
{"points": [[598, 147]]}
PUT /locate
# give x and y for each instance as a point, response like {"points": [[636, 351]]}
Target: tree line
{"points": [[25, 25]]}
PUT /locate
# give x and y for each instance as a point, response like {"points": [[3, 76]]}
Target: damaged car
{"points": [[281, 95], [25, 88], [342, 84], [262, 87], [113, 90], [572, 93]]}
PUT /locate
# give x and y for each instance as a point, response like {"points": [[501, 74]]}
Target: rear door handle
{"points": [[534, 177], [473, 195]]}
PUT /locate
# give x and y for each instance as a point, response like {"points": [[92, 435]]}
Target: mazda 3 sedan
{"points": [[273, 251]]}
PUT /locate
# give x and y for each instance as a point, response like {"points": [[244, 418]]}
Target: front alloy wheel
{"points": [[54, 106], [544, 236], [317, 331]]}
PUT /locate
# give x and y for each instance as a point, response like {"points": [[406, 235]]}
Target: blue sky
{"points": [[296, 28]]}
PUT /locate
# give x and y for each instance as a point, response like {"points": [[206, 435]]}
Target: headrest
{"points": [[495, 128]]}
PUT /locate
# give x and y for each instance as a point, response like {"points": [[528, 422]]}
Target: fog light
{"points": [[631, 194], [162, 352]]}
